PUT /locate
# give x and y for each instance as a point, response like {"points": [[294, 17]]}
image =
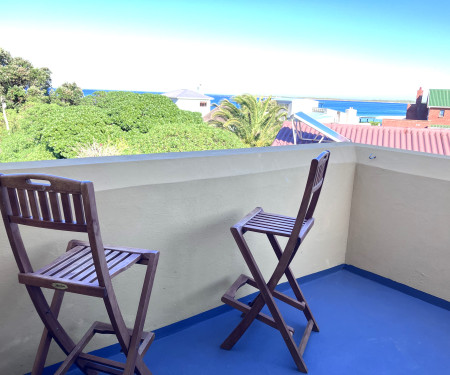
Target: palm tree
{"points": [[255, 120]]}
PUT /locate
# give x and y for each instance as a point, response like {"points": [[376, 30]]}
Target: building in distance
{"points": [[190, 100], [431, 109]]}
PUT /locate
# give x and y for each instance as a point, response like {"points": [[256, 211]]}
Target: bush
{"points": [[181, 137], [129, 110], [67, 94], [20, 146], [62, 129]]}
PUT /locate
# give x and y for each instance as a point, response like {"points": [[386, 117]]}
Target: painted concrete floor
{"points": [[365, 328]]}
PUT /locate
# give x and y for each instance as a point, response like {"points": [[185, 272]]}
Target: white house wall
{"points": [[193, 105]]}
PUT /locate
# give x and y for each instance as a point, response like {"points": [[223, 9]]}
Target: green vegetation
{"points": [[67, 94], [21, 84], [40, 123], [113, 123], [256, 121], [20, 81]]}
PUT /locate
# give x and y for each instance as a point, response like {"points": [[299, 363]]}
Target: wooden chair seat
{"points": [[75, 270], [279, 225]]}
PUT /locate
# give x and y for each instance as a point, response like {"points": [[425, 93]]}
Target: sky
{"points": [[326, 49]]}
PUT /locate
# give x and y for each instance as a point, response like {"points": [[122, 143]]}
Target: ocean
{"points": [[364, 108]]}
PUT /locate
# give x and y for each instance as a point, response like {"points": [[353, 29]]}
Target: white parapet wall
{"points": [[182, 205], [399, 225]]}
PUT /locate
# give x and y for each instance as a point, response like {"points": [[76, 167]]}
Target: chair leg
{"points": [[261, 299], [293, 282], [258, 303], [54, 328], [140, 319], [282, 327], [49, 319], [243, 325], [265, 297], [46, 339]]}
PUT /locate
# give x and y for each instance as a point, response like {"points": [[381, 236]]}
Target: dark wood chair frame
{"points": [[277, 225], [86, 268]]}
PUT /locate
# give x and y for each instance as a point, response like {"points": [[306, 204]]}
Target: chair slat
{"points": [[54, 204], [264, 224], [271, 221], [71, 263], [43, 202], [270, 227], [33, 204], [76, 251], [79, 266], [23, 201], [121, 262], [273, 217], [67, 208], [279, 232], [13, 201], [78, 206], [90, 270], [130, 260]]}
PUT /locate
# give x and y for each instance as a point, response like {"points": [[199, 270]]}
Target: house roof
{"points": [[434, 141], [186, 94], [439, 98]]}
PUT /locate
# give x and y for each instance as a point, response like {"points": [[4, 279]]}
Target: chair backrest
{"points": [[43, 201], [311, 194], [50, 202]]}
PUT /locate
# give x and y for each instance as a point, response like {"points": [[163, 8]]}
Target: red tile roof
{"points": [[434, 141]]}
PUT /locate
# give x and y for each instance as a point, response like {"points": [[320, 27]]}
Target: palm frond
{"points": [[255, 120]]}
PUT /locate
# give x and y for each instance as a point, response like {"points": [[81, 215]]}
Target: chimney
{"points": [[419, 105], [419, 96]]}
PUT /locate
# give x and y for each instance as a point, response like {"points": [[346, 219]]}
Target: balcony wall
{"points": [[387, 215], [182, 205], [399, 225]]}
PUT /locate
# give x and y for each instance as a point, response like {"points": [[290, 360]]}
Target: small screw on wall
{"points": [[372, 156]]}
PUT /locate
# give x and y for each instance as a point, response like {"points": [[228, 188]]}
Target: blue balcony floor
{"points": [[365, 328]]}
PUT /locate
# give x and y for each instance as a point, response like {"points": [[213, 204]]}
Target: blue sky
{"points": [[347, 49]]}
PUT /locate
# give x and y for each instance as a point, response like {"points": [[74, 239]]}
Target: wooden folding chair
{"points": [[277, 225], [86, 268]]}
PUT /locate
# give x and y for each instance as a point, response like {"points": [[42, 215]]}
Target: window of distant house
{"points": [[441, 113], [202, 104]]}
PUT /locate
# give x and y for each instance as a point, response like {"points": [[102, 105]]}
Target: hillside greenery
{"points": [[107, 123]]}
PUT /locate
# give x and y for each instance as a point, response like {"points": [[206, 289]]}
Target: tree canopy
{"points": [[67, 94], [256, 121], [19, 80]]}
